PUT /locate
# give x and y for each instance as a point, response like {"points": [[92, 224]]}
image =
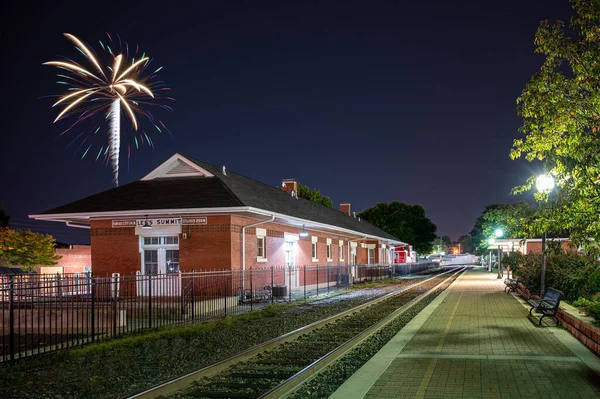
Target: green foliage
{"points": [[513, 219], [408, 223], [512, 260], [466, 244], [439, 245], [314, 195], [560, 107], [577, 275], [589, 307], [25, 248]]}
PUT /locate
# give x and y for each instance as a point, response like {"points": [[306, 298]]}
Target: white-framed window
{"points": [[371, 256], [341, 252], [261, 245], [160, 254], [329, 252], [314, 250]]}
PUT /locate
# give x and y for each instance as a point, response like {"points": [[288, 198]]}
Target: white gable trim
{"points": [[177, 160]]}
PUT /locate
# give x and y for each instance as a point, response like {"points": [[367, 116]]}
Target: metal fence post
{"points": [[317, 280], [225, 291], [115, 281], [11, 305], [304, 283], [328, 279], [251, 289], [93, 308], [290, 283], [272, 281], [149, 301]]}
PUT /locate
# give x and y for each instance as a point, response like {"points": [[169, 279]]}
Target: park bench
{"points": [[548, 304], [512, 285]]}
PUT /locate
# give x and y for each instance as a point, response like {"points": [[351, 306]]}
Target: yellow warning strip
{"points": [[432, 363]]}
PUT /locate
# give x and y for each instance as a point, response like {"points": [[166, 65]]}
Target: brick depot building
{"points": [[189, 215]]}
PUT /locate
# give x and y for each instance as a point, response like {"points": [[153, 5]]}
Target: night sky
{"points": [[369, 101]]}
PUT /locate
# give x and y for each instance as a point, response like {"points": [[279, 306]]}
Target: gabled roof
{"points": [[207, 186]]}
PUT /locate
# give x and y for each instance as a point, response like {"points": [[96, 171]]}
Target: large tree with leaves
{"points": [[405, 222], [314, 195], [513, 219], [26, 248], [560, 107]]}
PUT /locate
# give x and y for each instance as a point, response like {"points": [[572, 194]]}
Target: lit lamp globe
{"points": [[499, 233], [544, 183], [491, 241]]}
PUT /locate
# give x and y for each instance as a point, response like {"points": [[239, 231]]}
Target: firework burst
{"points": [[123, 84]]}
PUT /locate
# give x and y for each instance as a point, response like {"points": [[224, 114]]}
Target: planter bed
{"points": [[579, 326]]}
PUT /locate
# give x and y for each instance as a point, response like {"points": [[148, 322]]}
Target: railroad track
{"points": [[279, 366]]}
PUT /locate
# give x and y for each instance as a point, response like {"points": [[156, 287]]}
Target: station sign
{"points": [[160, 222]]}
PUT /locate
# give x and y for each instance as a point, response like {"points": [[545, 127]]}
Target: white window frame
{"points": [[261, 235], [314, 249], [161, 245], [329, 258], [369, 252]]}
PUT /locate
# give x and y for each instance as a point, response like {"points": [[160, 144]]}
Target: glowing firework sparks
{"points": [[108, 89]]}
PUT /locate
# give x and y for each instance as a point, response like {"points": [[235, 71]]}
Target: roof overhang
{"points": [[85, 218]]}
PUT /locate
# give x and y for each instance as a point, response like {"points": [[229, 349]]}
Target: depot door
{"points": [[290, 263], [160, 263]]}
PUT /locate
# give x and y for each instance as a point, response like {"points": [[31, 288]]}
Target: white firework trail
{"points": [[115, 138]]}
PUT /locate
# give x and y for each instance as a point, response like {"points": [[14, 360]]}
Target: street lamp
{"points": [[544, 184], [499, 233], [490, 241]]}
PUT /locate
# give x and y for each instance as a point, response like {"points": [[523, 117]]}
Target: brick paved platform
{"points": [[475, 341]]}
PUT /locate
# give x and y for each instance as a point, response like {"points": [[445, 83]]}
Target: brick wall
{"points": [[207, 247], [114, 250], [73, 260]]}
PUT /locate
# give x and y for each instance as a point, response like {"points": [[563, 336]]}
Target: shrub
{"points": [[577, 275]]}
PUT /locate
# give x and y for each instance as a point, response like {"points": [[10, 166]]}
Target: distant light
{"points": [[544, 183], [499, 233], [491, 241], [303, 233]]}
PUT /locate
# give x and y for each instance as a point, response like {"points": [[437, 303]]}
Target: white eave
{"points": [[85, 218]]}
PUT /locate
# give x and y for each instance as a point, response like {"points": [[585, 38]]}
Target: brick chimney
{"points": [[345, 207], [289, 185]]}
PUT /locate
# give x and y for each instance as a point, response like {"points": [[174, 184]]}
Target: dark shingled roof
{"points": [[209, 192]]}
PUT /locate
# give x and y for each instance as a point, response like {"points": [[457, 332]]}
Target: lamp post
{"points": [[499, 233], [544, 184], [491, 242]]}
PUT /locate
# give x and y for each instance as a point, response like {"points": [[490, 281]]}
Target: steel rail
{"points": [[312, 370], [174, 385]]}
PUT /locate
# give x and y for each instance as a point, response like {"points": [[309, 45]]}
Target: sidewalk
{"points": [[475, 341]]}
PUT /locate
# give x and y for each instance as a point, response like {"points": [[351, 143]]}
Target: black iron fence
{"points": [[47, 313]]}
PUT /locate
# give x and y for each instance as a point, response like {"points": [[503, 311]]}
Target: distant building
{"points": [[530, 245], [190, 215], [74, 259]]}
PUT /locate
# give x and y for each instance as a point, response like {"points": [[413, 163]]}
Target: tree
{"points": [[25, 248], [439, 246], [513, 219], [560, 107], [408, 223], [466, 243], [4, 218], [314, 195]]}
